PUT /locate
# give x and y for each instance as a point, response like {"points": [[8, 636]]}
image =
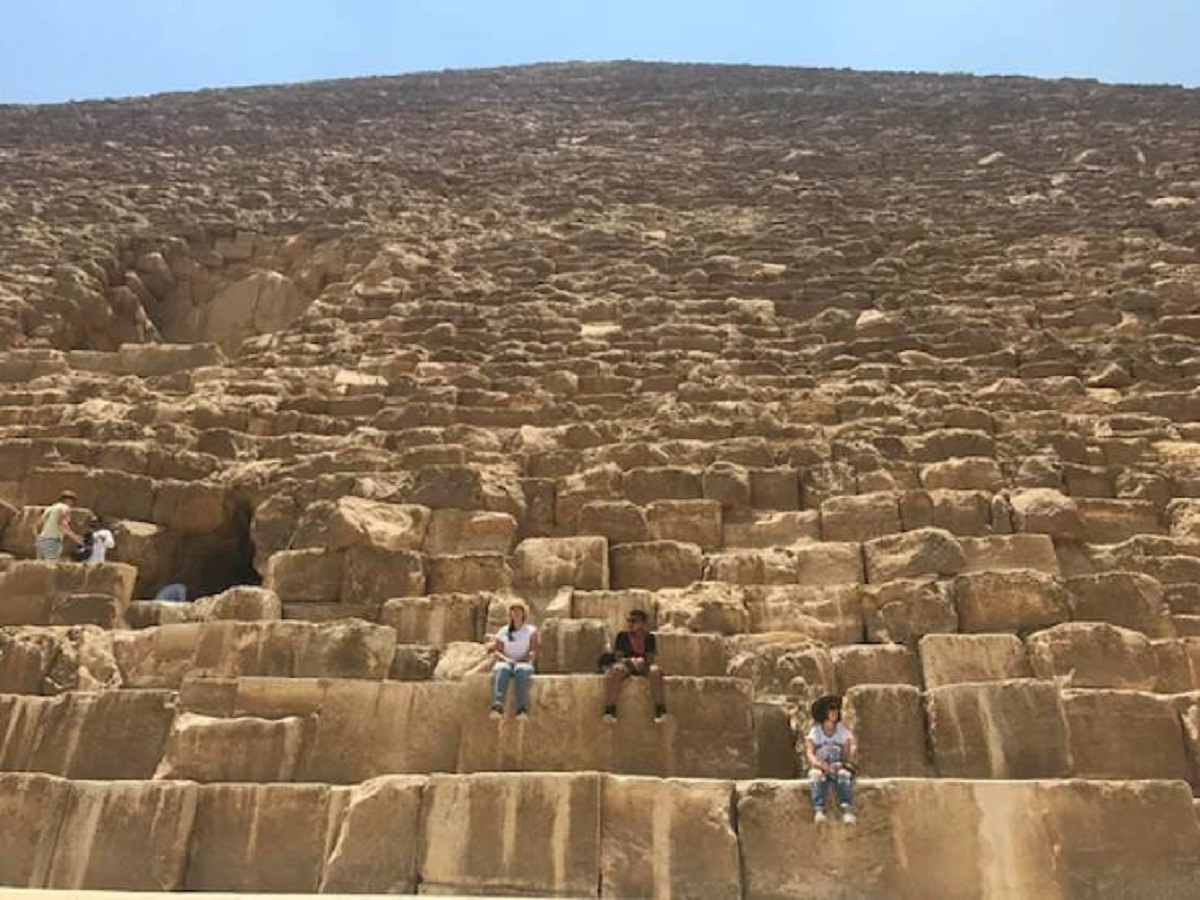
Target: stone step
{"points": [[602, 835]]}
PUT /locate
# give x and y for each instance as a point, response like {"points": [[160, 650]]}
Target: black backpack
{"points": [[84, 551]]}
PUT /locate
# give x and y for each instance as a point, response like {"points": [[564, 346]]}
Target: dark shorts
{"points": [[631, 671]]}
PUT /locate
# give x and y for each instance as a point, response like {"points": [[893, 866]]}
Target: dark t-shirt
{"points": [[624, 645]]}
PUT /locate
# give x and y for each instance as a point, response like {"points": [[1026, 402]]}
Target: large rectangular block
{"points": [[1010, 551], [344, 649], [1095, 717], [251, 837], [438, 619], [1002, 729], [31, 806], [957, 658], [1016, 601], [709, 733], [543, 565], [130, 836], [373, 847], [668, 838], [553, 820], [940, 838], [656, 564]]}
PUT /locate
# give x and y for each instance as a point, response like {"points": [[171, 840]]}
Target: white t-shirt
{"points": [[516, 648], [102, 542], [830, 748]]}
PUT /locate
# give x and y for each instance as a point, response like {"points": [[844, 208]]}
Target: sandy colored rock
{"points": [[998, 729], [667, 838], [905, 610], [1008, 601], [542, 565], [202, 748], [888, 722], [1093, 655], [959, 658], [924, 552], [437, 620], [655, 564], [383, 526], [559, 855], [1094, 716], [374, 841]]}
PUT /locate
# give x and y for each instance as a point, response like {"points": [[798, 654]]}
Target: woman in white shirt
{"points": [[102, 542], [515, 646]]}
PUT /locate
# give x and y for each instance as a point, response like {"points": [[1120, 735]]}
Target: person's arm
{"points": [[498, 647], [621, 646], [810, 752], [64, 525], [851, 748], [651, 648]]}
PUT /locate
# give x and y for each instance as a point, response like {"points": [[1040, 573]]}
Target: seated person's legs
{"points": [[523, 673], [501, 674], [613, 683]]}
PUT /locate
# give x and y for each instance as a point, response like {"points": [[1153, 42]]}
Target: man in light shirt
{"points": [[54, 525]]}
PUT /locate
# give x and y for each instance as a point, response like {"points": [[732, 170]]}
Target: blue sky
{"points": [[54, 50]]}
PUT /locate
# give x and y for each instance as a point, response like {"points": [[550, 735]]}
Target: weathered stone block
{"points": [[542, 565], [687, 521], [371, 575], [1010, 551], [559, 853], [831, 614], [305, 575], [773, 529], [704, 607], [888, 722], [1095, 717], [471, 573], [655, 564], [374, 837], [1093, 655], [1009, 601], [860, 517], [925, 552], [1126, 599], [959, 658], [571, 645], [1000, 729], [454, 531], [903, 611], [828, 563], [355, 522], [203, 748], [766, 566], [619, 521], [438, 619], [875, 664]]}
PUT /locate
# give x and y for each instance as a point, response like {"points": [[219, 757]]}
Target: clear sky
{"points": [[54, 50]]}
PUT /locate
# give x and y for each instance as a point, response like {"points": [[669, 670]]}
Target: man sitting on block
{"points": [[633, 655]]}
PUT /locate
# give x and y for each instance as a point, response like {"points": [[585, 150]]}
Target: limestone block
{"points": [[242, 603], [457, 660], [960, 658], [709, 732], [149, 548], [51, 660], [453, 531], [925, 552], [1107, 521], [343, 649], [542, 565], [668, 838], [979, 473], [772, 565], [129, 836], [645, 485], [694, 655], [1142, 841], [312, 576], [203, 748], [775, 739], [888, 722], [1046, 511], [571, 645], [1127, 599], [575, 491], [830, 614], [374, 837], [619, 521], [32, 592], [775, 488], [704, 607], [1093, 655], [438, 619], [687, 521], [729, 484], [189, 507], [372, 576], [31, 805], [157, 657], [773, 529], [354, 521], [109, 735], [1010, 551], [905, 610], [828, 563], [250, 837], [857, 664], [559, 850], [413, 662], [860, 517], [999, 729], [1095, 716], [655, 564], [613, 607], [782, 664], [1008, 601], [962, 513]]}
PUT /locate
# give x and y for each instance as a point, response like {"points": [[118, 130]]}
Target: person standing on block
{"points": [[53, 526], [634, 651], [829, 748], [515, 646]]}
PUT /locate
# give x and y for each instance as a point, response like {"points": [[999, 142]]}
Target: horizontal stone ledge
{"points": [[588, 834]]}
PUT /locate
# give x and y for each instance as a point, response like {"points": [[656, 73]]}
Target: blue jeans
{"points": [[504, 672], [820, 782]]}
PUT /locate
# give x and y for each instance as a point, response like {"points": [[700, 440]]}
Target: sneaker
{"points": [[496, 713], [660, 713], [849, 817], [819, 817], [610, 714], [523, 714]]}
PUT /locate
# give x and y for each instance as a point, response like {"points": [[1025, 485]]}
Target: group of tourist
{"points": [[828, 746], [53, 527]]}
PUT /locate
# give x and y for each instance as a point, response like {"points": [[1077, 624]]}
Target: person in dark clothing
{"points": [[633, 656]]}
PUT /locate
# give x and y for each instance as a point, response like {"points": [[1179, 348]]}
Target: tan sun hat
{"points": [[68, 495]]}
